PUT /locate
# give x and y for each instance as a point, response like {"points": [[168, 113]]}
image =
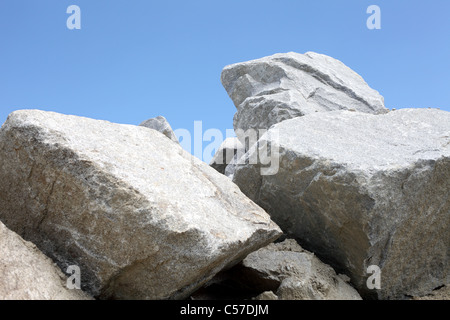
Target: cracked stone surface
{"points": [[283, 86], [359, 189], [141, 217]]}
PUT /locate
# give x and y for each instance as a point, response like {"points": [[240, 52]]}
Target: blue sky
{"points": [[134, 60]]}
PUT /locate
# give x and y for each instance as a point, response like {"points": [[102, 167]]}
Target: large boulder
{"points": [[294, 274], [141, 217], [27, 274], [279, 271], [283, 86], [162, 125], [362, 190]]}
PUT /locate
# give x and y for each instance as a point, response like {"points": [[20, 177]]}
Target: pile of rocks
{"points": [[137, 217], [355, 183]]}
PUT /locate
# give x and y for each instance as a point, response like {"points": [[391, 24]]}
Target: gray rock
{"points": [[229, 148], [141, 217], [360, 190], [294, 274], [162, 125], [269, 90], [266, 295], [441, 293], [27, 274]]}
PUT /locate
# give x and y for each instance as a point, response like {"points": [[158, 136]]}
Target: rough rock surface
{"points": [[266, 295], [269, 90], [141, 217], [437, 294], [360, 189], [227, 150], [294, 274], [27, 274], [162, 125]]}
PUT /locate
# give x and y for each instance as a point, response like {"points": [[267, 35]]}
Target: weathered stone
{"points": [[269, 90], [162, 125], [294, 274], [141, 217], [360, 190], [227, 150], [442, 293], [266, 295], [27, 274]]}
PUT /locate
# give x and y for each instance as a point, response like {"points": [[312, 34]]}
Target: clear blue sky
{"points": [[134, 60]]}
